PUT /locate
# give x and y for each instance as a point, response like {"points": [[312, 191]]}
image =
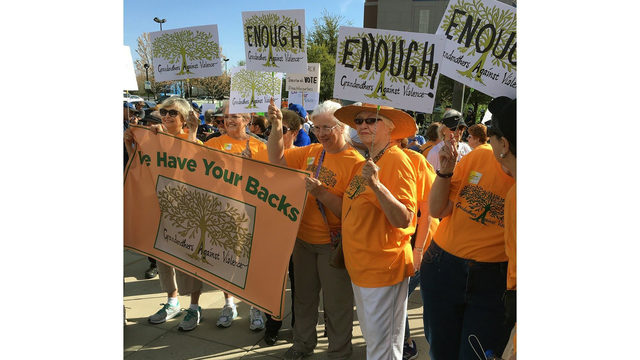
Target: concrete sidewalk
{"points": [[143, 340]]}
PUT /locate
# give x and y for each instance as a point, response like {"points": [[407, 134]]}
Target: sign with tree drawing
{"points": [[212, 215], [480, 45], [307, 82], [311, 99], [252, 90], [275, 41], [186, 53], [386, 67]]}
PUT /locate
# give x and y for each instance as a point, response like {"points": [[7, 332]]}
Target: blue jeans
{"points": [[462, 297], [413, 284]]}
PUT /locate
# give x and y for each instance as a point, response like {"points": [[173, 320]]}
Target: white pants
{"points": [[382, 312]]}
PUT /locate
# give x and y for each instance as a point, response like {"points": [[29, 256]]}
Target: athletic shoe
{"points": [[191, 320], [293, 354], [151, 272], [270, 337], [167, 312], [255, 320], [227, 315], [409, 351]]}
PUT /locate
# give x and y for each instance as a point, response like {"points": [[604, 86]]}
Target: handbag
{"points": [[336, 258]]}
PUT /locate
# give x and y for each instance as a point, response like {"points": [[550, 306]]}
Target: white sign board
{"points": [[480, 45], [127, 71], [252, 90], [275, 41], [305, 82], [311, 99], [208, 106], [385, 67], [186, 53]]}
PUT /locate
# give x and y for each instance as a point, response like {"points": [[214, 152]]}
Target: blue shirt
{"points": [[302, 139]]}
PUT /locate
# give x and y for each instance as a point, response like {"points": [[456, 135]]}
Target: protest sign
{"points": [[385, 67], [186, 53], [308, 82], [275, 41], [252, 90], [212, 215], [480, 45], [311, 99]]}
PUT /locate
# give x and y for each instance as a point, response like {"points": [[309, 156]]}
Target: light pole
{"points": [[146, 68], [159, 21], [225, 64]]}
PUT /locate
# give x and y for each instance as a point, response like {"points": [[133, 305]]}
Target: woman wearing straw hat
{"points": [[331, 162], [377, 212], [463, 272]]}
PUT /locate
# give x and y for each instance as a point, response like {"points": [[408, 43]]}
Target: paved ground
{"points": [[143, 340]]}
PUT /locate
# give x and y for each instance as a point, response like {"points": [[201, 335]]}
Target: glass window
{"points": [[423, 20]]}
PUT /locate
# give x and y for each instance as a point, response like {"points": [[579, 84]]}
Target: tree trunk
{"points": [[482, 216], [200, 248], [379, 89], [183, 68], [270, 61], [252, 103]]}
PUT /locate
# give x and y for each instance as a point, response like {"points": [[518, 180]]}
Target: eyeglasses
{"points": [[369, 121], [219, 121], [172, 113], [319, 129]]}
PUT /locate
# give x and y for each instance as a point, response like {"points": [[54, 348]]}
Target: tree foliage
{"points": [[145, 52], [484, 203], [201, 215], [216, 86], [247, 82], [271, 21], [186, 45]]}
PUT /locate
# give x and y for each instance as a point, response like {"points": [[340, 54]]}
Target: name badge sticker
{"points": [[474, 177]]}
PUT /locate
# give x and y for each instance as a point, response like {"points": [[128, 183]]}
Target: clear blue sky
{"points": [[139, 14]]}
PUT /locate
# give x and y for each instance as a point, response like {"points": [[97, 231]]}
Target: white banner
{"points": [[480, 45], [305, 82], [311, 99], [275, 41], [186, 53], [385, 67], [252, 90]]}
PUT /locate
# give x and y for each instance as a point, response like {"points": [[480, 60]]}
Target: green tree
{"points": [[182, 45], [369, 41], [200, 214], [255, 83], [322, 48], [285, 26], [505, 24], [484, 203]]}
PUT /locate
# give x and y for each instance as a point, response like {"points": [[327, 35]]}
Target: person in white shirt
{"points": [[453, 126]]}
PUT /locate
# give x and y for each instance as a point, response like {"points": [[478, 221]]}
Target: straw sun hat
{"points": [[405, 125]]}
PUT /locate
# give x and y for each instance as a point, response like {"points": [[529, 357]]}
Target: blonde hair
{"points": [[181, 105]]}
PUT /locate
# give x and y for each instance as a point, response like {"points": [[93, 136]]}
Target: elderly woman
{"points": [[477, 135], [377, 212], [175, 114], [237, 141], [464, 269], [331, 162], [503, 143]]}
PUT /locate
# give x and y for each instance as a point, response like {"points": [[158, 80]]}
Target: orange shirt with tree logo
{"points": [[335, 173], [475, 228], [510, 236], [228, 144], [426, 175], [376, 253]]}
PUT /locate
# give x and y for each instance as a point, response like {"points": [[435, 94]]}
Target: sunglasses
{"points": [[219, 121], [172, 113], [369, 121], [284, 130]]}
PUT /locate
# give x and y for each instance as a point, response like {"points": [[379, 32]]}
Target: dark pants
{"points": [[275, 325], [461, 298]]}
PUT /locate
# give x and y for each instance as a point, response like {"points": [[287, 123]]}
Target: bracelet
{"points": [[443, 175]]}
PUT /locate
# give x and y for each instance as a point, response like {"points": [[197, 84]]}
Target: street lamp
{"points": [[159, 21], [225, 64], [146, 68]]}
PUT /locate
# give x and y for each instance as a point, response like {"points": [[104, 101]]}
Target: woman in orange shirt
{"points": [[464, 269], [377, 222]]}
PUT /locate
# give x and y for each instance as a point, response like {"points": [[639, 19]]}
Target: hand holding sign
{"points": [[314, 186], [274, 112], [370, 173], [247, 151]]}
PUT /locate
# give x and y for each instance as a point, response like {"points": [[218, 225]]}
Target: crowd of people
{"points": [[387, 210]]}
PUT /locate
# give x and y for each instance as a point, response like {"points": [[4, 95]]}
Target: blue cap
{"points": [[195, 106], [298, 109]]}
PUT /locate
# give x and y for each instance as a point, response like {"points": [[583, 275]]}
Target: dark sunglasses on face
{"points": [[369, 121], [172, 113], [284, 130]]}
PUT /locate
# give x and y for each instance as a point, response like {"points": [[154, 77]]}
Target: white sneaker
{"points": [[166, 313], [255, 320], [227, 315]]}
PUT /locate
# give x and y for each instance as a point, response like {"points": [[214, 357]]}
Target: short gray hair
{"points": [[330, 107]]}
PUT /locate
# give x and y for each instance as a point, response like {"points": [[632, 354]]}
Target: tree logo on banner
{"points": [[247, 82], [386, 56], [483, 203], [486, 30], [182, 45], [200, 214], [267, 32]]}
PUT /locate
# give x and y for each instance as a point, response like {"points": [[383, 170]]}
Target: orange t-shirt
{"points": [[377, 254], [261, 155], [510, 236], [475, 228], [186, 137], [335, 174], [228, 144]]}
